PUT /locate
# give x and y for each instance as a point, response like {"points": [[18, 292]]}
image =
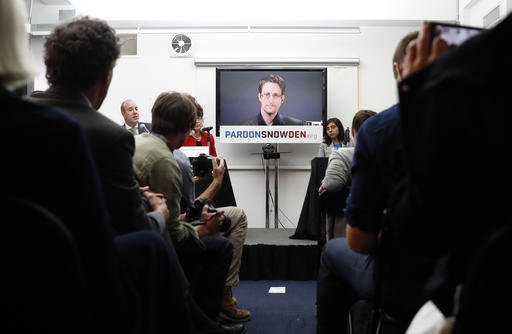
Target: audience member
{"points": [[236, 233], [204, 256], [440, 102], [133, 283], [130, 112], [333, 138], [198, 137], [271, 96], [337, 174], [346, 271], [80, 56]]}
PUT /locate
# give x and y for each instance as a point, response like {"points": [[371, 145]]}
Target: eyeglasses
{"points": [[268, 95]]}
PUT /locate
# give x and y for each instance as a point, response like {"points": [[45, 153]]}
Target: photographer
{"points": [[204, 254], [236, 232]]}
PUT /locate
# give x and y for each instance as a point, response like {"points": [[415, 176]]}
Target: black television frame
{"points": [[241, 93]]}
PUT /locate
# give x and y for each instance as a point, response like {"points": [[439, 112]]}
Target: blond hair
{"points": [[16, 63]]}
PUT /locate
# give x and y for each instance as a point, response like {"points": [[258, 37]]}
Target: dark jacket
{"points": [[112, 148], [49, 163], [456, 116]]}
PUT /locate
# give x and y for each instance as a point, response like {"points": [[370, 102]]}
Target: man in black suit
{"points": [[271, 96], [130, 112], [79, 82]]}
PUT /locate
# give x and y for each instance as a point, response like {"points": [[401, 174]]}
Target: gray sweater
{"points": [[337, 174]]}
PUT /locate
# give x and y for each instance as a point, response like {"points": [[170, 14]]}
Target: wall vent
{"points": [[181, 45], [491, 18], [66, 14], [128, 44]]}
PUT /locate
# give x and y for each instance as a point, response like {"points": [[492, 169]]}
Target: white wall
{"points": [[472, 12], [370, 85]]}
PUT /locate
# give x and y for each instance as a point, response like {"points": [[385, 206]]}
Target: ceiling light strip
{"points": [[219, 62]]}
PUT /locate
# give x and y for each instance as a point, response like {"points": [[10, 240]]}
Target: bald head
{"points": [[130, 112]]}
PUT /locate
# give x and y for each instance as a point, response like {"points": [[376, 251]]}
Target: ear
{"points": [[397, 71], [110, 73], [282, 98]]}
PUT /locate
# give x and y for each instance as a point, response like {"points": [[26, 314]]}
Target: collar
{"points": [[129, 127], [275, 121], [162, 138], [71, 96]]}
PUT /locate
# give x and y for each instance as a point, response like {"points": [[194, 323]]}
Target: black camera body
{"points": [[201, 165], [194, 213]]}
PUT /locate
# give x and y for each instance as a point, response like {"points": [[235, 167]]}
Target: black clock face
{"points": [[181, 43]]}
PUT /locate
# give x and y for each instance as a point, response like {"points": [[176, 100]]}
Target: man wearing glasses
{"points": [[271, 95]]}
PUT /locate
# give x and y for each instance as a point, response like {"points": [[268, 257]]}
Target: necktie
{"points": [[133, 130]]}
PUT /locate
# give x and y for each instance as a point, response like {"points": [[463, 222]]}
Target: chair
{"points": [[365, 318], [487, 291], [331, 204], [43, 289]]}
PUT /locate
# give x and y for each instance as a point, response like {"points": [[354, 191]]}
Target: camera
{"points": [[201, 165], [194, 213]]}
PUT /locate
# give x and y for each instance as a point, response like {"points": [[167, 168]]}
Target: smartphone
{"points": [[453, 34]]}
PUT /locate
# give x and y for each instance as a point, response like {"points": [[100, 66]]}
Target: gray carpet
{"points": [[293, 312]]}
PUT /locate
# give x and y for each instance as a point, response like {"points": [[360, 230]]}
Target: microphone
{"points": [[207, 129], [144, 128]]}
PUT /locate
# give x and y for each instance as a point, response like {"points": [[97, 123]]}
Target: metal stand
{"points": [[275, 156], [207, 130]]}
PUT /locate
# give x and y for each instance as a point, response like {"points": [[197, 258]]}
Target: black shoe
{"points": [[233, 328]]}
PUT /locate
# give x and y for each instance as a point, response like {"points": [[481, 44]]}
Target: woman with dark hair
{"points": [[333, 137], [197, 136]]}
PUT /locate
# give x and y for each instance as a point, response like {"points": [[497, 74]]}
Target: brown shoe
{"points": [[228, 309]]}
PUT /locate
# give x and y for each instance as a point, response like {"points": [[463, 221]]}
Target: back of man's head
{"points": [[80, 53], [401, 50], [172, 113], [361, 116]]}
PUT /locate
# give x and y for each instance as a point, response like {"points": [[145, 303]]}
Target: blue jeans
{"points": [[343, 278]]}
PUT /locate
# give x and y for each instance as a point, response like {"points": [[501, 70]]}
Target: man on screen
{"points": [[271, 95]]}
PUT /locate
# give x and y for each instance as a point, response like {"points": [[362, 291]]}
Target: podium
{"points": [[311, 221], [267, 156]]}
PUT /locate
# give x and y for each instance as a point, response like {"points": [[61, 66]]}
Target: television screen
{"points": [[249, 100]]}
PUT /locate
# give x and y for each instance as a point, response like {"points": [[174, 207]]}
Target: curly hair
{"points": [[80, 52]]}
